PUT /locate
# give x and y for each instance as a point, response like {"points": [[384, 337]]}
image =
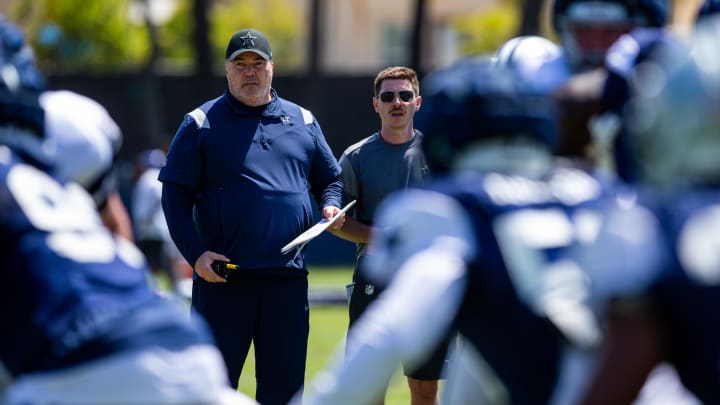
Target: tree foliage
{"points": [[175, 37], [279, 20], [485, 30], [81, 35], [102, 36]]}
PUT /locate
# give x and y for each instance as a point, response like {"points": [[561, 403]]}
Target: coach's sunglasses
{"points": [[389, 96]]}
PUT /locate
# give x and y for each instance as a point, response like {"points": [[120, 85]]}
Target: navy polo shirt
{"points": [[237, 180]]}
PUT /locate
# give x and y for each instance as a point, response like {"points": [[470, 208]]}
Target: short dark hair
{"points": [[397, 73]]}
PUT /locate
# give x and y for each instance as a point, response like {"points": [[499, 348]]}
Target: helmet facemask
{"points": [[588, 29]]}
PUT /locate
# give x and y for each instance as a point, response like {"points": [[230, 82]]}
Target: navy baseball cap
{"points": [[248, 40]]}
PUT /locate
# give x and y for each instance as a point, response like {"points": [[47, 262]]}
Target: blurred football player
{"points": [[673, 139], [587, 28], [539, 62], [624, 56], [575, 71], [84, 139], [80, 323], [496, 247], [152, 235]]}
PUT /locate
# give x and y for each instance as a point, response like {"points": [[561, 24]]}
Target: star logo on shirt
{"points": [[248, 40], [369, 289]]}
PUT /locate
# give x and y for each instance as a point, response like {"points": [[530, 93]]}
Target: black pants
{"points": [[270, 311]]}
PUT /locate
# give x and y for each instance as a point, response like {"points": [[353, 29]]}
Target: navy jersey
{"points": [[522, 229], [247, 172], [687, 292], [544, 254], [70, 291], [709, 8], [521, 267], [630, 50], [625, 54]]}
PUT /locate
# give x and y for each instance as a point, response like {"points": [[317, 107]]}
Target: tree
{"points": [[417, 37], [279, 20], [316, 34], [485, 30], [72, 35], [198, 31], [530, 12], [200, 34]]}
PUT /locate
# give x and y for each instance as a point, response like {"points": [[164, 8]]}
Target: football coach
{"points": [[236, 188]]}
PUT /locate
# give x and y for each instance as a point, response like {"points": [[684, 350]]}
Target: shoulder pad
{"points": [[413, 220]]}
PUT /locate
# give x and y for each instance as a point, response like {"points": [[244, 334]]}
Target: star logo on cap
{"points": [[248, 40]]}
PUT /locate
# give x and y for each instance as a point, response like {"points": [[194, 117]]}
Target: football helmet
{"points": [[81, 136], [474, 101], [587, 28], [539, 62]]}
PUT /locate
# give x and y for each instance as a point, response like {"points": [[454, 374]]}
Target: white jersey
{"points": [[147, 214]]}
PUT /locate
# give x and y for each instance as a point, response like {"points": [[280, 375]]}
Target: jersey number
{"points": [[68, 214]]}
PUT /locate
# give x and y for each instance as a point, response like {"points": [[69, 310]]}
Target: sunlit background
{"points": [[149, 62], [322, 36]]}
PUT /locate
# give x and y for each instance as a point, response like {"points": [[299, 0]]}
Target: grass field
{"points": [[328, 325]]}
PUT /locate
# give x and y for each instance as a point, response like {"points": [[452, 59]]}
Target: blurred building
{"points": [[371, 33], [358, 36]]}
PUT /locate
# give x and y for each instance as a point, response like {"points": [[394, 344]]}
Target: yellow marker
{"points": [[232, 266]]}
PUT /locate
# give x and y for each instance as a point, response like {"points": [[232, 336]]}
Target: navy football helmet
{"points": [[587, 28], [673, 114], [474, 101]]}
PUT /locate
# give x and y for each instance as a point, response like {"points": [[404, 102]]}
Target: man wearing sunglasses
{"points": [[386, 161]]}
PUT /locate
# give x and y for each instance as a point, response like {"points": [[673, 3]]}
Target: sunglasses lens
{"points": [[389, 96], [406, 96]]}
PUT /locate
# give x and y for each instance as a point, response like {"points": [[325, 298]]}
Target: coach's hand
{"points": [[203, 266], [329, 212]]}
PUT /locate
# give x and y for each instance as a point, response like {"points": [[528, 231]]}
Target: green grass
{"points": [[328, 325]]}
